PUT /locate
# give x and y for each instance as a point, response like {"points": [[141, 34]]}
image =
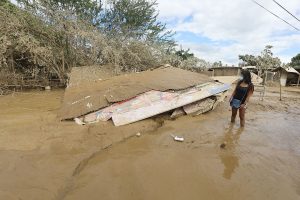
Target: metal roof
{"points": [[288, 69], [291, 70]]}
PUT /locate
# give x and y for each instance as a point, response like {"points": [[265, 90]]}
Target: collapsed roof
{"points": [[87, 95]]}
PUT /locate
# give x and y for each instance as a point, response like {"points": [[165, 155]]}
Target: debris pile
{"points": [[133, 97]]}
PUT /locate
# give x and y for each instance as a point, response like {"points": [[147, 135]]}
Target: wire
{"points": [[286, 10], [276, 15]]}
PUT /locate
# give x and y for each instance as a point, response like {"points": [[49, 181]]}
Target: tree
{"points": [[52, 36], [136, 19], [28, 45], [295, 61], [121, 19], [85, 9], [217, 64], [248, 60], [184, 54], [264, 61]]}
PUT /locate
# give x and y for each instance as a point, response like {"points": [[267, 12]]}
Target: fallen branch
{"points": [[4, 90]]}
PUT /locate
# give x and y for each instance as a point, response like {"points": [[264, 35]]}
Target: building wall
{"points": [[283, 78], [292, 78], [208, 73]]}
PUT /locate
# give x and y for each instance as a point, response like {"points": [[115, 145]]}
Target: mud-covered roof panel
{"points": [[85, 96]]}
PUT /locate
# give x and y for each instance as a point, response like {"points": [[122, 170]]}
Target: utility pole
{"points": [[280, 72]]}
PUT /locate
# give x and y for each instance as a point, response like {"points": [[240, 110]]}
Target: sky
{"points": [[220, 30]]}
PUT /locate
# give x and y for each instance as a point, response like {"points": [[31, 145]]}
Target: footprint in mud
{"points": [[252, 119]]}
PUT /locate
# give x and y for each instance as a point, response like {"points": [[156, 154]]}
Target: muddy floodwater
{"points": [[42, 158]]}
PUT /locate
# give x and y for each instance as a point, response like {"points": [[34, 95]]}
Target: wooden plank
{"points": [[144, 99], [156, 106], [103, 114], [199, 107]]}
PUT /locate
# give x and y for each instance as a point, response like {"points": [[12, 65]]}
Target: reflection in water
{"points": [[228, 157]]}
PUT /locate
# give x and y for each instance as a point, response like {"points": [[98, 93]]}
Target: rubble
{"points": [[133, 97]]}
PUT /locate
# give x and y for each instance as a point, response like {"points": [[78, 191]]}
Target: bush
{"points": [[48, 43]]}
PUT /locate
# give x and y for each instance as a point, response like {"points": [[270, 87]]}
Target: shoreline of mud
{"points": [[44, 157]]}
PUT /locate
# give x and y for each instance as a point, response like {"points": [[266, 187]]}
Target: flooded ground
{"points": [[42, 158]]}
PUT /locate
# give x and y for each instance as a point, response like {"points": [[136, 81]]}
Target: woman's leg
{"points": [[233, 114], [242, 116]]}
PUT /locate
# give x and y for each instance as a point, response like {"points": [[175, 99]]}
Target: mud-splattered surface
{"points": [[84, 95], [42, 158]]}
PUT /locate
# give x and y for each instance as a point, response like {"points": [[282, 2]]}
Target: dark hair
{"points": [[247, 79], [246, 76]]}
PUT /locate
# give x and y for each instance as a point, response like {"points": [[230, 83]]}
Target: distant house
{"points": [[225, 71], [288, 76]]}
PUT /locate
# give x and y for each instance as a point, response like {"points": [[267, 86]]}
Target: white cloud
{"points": [[241, 21], [13, 1]]}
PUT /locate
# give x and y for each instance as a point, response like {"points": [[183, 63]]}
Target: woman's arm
{"points": [[233, 93], [248, 97], [250, 93]]}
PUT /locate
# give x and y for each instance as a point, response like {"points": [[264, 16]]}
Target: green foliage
{"points": [[295, 61], [135, 19], [264, 61], [42, 38], [6, 4], [85, 9], [217, 64], [184, 54], [249, 60], [29, 46]]}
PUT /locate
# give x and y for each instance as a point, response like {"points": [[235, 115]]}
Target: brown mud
{"points": [[42, 158], [86, 94]]}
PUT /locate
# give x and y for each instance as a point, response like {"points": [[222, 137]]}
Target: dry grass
{"points": [[31, 48]]}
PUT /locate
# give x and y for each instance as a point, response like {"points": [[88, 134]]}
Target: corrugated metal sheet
{"points": [[89, 96], [291, 70]]}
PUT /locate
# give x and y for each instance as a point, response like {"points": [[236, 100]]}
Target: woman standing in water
{"points": [[240, 97]]}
